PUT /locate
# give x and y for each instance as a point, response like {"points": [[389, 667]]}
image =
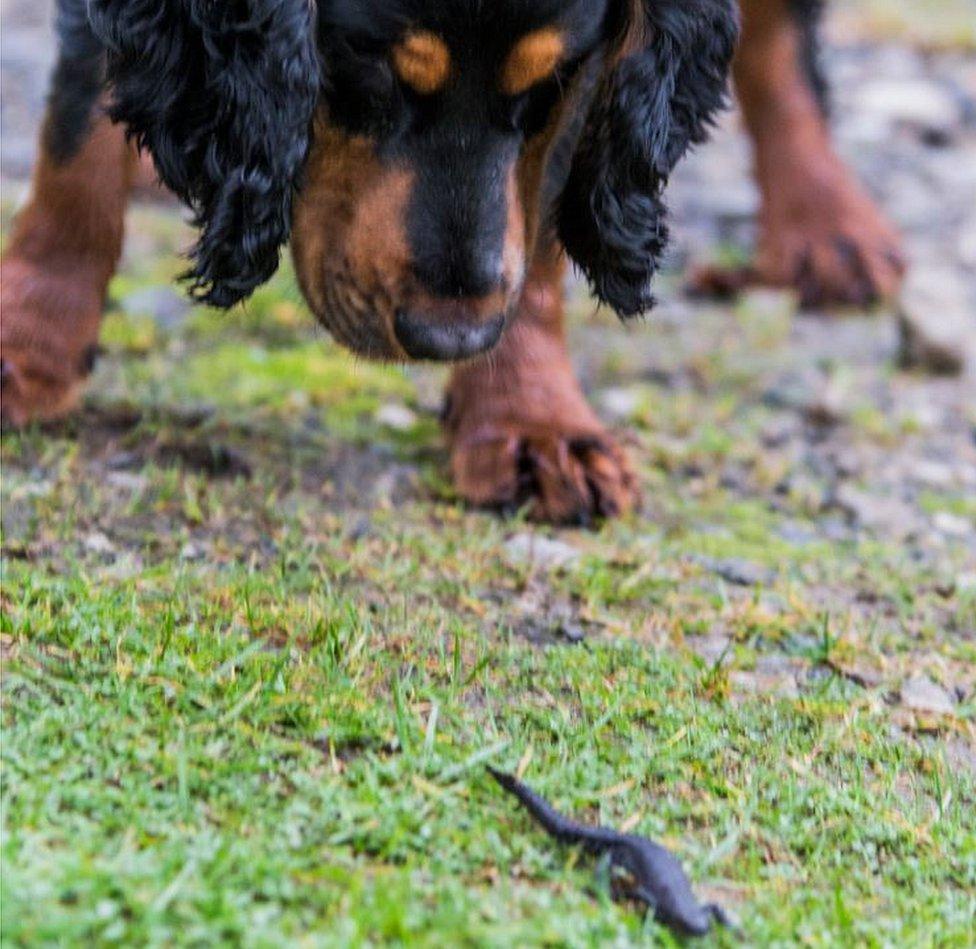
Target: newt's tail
{"points": [[561, 828]]}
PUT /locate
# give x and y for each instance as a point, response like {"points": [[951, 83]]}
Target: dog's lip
{"points": [[363, 332]]}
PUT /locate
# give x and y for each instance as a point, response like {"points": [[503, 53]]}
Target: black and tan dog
{"points": [[429, 161]]}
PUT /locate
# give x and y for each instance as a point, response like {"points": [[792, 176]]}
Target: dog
{"points": [[432, 165]]}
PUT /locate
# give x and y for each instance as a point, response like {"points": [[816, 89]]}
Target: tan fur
{"points": [[423, 61], [349, 240], [533, 58]]}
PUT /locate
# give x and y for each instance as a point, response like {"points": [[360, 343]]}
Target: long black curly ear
{"points": [[663, 84], [221, 93]]}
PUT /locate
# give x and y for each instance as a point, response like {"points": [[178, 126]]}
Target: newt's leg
{"points": [[519, 427], [819, 230]]}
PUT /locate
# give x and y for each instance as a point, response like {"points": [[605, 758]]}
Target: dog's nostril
{"points": [[477, 275], [445, 341]]}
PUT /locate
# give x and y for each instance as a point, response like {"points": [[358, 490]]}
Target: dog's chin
{"points": [[366, 336], [364, 342]]}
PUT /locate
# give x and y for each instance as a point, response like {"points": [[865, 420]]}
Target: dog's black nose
{"points": [[477, 272], [446, 340]]}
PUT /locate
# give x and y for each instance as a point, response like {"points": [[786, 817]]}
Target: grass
{"points": [[256, 656], [271, 755]]}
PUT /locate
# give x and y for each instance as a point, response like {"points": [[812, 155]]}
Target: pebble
{"points": [[396, 417], [876, 512], [618, 404], [739, 572], [780, 684], [713, 648], [952, 524], [828, 404], [933, 474], [127, 481], [920, 694], [538, 551], [921, 105], [793, 532], [164, 304], [937, 323], [395, 484], [98, 543], [961, 755], [778, 431]]}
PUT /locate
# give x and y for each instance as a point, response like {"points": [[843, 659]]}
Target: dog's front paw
{"points": [[48, 332], [32, 391], [559, 475]]}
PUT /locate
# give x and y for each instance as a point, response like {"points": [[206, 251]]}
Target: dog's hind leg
{"points": [[66, 242], [819, 230]]}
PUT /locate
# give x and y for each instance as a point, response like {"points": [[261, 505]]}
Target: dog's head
{"points": [[414, 150]]}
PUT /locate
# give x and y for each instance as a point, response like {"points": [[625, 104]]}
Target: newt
{"points": [[657, 878]]}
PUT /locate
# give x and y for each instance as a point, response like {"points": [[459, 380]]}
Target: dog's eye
{"points": [[529, 113], [362, 91]]}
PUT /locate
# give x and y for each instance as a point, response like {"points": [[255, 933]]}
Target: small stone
{"points": [[937, 323], [920, 694], [125, 460], [167, 307], [618, 404], [796, 533], [123, 567], [537, 551], [828, 405], [97, 543], [740, 572], [952, 524], [779, 431], [920, 105], [713, 648], [396, 417], [761, 683], [876, 512], [127, 481], [571, 631], [961, 755], [933, 474], [395, 484]]}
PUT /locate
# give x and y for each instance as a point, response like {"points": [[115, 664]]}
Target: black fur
{"points": [[79, 77], [221, 93], [808, 15], [647, 111]]}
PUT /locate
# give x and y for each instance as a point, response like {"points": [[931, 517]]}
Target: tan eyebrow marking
{"points": [[423, 61], [533, 58]]}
